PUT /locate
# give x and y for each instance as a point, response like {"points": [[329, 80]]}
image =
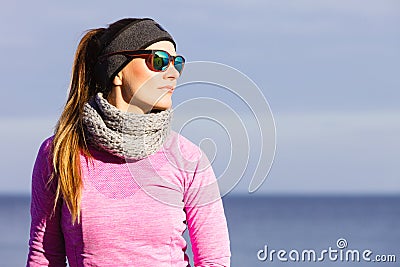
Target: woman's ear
{"points": [[118, 79]]}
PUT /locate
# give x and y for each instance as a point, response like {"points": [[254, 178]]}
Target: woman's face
{"points": [[143, 88]]}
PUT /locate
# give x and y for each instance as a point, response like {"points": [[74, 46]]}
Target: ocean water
{"points": [[295, 226]]}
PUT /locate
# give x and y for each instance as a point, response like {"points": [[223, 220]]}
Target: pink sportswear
{"points": [[132, 213]]}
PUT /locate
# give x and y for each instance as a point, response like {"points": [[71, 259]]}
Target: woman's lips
{"points": [[168, 87]]}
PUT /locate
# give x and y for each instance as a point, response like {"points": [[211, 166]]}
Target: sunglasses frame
{"points": [[149, 56]]}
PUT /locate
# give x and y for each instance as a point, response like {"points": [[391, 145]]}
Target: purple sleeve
{"points": [[206, 219], [46, 242]]}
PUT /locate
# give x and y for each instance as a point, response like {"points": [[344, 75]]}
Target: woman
{"points": [[115, 186]]}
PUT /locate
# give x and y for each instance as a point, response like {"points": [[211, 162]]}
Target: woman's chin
{"points": [[163, 104]]}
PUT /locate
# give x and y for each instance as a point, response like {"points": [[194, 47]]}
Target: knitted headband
{"points": [[136, 35]]}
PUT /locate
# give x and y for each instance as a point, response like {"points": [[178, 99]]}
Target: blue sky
{"points": [[329, 70]]}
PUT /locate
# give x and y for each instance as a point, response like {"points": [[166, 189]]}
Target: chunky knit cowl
{"points": [[124, 134]]}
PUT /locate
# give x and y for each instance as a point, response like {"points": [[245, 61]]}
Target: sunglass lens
{"points": [[160, 60], [179, 62]]}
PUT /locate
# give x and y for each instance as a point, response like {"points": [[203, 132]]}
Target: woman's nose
{"points": [[171, 72]]}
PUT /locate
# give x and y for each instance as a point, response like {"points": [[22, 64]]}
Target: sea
{"points": [[270, 230]]}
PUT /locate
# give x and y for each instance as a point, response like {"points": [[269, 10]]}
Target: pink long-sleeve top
{"points": [[132, 213]]}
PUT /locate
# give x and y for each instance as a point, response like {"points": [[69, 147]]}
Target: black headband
{"points": [[136, 35]]}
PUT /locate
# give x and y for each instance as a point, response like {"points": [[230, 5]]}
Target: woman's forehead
{"points": [[163, 45]]}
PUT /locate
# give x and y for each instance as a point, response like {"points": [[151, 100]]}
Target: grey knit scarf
{"points": [[124, 134]]}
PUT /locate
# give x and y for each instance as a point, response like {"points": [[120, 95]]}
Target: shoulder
{"points": [[178, 144], [182, 149], [46, 143], [43, 154], [45, 146], [42, 168]]}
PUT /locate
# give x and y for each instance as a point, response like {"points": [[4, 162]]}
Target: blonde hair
{"points": [[69, 138]]}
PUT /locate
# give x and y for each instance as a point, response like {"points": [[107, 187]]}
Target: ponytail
{"points": [[69, 139]]}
